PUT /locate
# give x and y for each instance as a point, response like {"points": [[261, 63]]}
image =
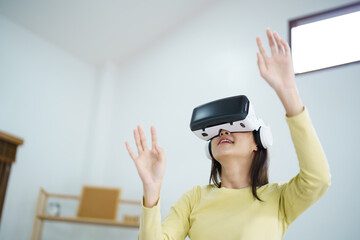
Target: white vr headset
{"points": [[234, 114]]}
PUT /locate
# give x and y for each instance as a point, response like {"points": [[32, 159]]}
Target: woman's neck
{"points": [[235, 176]]}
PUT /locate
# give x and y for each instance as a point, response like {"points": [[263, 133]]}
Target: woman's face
{"points": [[233, 145]]}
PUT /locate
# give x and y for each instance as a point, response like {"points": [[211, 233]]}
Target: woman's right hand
{"points": [[150, 164]]}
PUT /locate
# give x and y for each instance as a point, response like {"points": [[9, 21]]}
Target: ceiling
{"points": [[97, 31]]}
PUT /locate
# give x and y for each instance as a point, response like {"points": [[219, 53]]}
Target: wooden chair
{"points": [[97, 205]]}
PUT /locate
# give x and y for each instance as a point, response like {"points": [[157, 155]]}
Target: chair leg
{"points": [[33, 235], [40, 230], [35, 232]]}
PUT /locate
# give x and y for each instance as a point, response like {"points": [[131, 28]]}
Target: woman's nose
{"points": [[222, 132]]}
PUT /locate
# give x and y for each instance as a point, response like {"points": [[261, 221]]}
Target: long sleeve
{"points": [[314, 177], [175, 225]]}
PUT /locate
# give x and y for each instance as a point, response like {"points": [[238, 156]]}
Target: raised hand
{"points": [[150, 164], [278, 72], [276, 69]]}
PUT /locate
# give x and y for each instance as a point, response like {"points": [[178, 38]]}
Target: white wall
{"points": [[46, 98], [211, 56]]}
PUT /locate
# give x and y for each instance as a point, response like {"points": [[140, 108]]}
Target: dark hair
{"points": [[258, 169]]}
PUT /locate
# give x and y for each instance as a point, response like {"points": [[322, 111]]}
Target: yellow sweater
{"points": [[207, 212]]}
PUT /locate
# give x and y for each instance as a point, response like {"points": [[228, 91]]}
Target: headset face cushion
{"points": [[246, 125]]}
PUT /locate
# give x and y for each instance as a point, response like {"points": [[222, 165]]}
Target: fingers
{"points": [[271, 42], [160, 151], [141, 143], [132, 155], [142, 138], [137, 141], [279, 44], [261, 48], [286, 47], [153, 137], [261, 64]]}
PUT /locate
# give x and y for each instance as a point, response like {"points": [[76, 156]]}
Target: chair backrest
{"points": [[99, 202]]}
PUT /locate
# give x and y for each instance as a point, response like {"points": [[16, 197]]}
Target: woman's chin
{"points": [[225, 155]]}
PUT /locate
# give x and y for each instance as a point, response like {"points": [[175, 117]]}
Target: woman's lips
{"points": [[225, 140]]}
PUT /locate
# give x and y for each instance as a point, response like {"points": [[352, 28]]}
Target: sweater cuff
{"points": [[150, 222], [302, 116], [147, 208]]}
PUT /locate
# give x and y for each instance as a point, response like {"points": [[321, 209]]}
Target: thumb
{"points": [[160, 151]]}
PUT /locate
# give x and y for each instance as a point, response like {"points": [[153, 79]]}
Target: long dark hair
{"points": [[258, 169]]}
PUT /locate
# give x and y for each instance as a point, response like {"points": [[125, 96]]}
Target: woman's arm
{"points": [[314, 177], [176, 224], [150, 164]]}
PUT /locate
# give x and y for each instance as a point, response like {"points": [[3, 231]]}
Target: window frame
{"points": [[350, 8]]}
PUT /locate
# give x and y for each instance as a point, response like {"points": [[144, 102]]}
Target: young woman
{"points": [[232, 209]]}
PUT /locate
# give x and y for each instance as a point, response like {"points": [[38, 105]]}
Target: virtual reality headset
{"points": [[234, 114]]}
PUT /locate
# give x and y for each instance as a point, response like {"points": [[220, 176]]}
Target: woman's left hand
{"points": [[278, 72], [276, 69]]}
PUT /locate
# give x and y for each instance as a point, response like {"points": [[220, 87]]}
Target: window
{"points": [[326, 39]]}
